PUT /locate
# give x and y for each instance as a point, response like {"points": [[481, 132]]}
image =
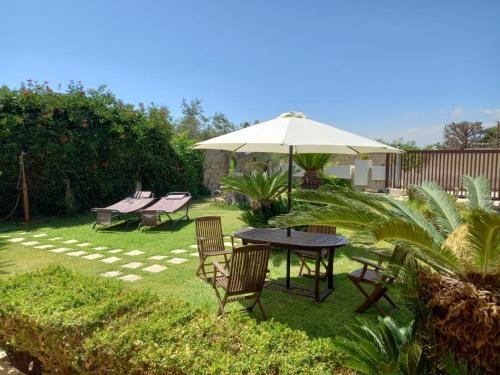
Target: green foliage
{"points": [[381, 348], [260, 188], [87, 325], [334, 183], [479, 193], [89, 138], [313, 165], [259, 217], [484, 242]]}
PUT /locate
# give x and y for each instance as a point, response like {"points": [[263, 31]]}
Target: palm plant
{"points": [[381, 348], [313, 165], [429, 240], [260, 188]]}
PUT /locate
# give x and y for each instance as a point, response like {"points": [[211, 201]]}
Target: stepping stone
{"points": [[55, 238], [39, 235], [30, 243], [111, 260], [60, 250], [133, 265], [178, 251], [100, 248], [177, 260], [115, 251], [193, 246], [194, 254], [22, 233], [76, 253], [130, 278], [18, 239], [155, 268], [43, 247], [71, 241], [228, 244], [134, 252], [93, 256], [84, 244], [4, 236], [158, 257], [111, 274]]}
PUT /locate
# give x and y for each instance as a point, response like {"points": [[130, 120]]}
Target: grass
{"points": [[318, 320]]}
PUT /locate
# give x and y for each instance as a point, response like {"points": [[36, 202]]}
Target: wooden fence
{"points": [[446, 167]]}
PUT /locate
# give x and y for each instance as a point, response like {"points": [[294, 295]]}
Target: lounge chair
{"points": [[313, 255], [169, 204], [126, 209], [210, 241], [374, 274], [243, 278]]}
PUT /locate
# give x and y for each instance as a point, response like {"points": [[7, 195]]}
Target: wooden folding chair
{"points": [[210, 241], [373, 274], [244, 277], [313, 255]]}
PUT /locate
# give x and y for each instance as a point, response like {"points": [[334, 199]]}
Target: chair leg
{"points": [[222, 303], [261, 308], [371, 299], [201, 268], [303, 264]]}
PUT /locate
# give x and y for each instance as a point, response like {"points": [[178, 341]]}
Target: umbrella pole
{"points": [[290, 166]]}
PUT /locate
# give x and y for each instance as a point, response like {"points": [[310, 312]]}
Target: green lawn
{"points": [[325, 319]]}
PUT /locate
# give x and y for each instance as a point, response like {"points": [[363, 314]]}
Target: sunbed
{"points": [[169, 204], [126, 209]]}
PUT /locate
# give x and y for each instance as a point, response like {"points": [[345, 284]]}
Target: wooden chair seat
{"points": [[370, 276], [311, 254]]}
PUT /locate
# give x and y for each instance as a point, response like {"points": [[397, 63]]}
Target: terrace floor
{"points": [[164, 260]]}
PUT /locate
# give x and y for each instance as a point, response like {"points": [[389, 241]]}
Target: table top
{"points": [[297, 239]]}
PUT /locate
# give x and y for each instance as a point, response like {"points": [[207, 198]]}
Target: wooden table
{"points": [[278, 238]]}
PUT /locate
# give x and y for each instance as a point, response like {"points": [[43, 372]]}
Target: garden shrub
{"points": [[89, 143], [87, 325]]}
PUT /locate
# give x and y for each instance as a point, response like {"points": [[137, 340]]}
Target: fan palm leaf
{"points": [[446, 215], [484, 240], [479, 193], [422, 244]]}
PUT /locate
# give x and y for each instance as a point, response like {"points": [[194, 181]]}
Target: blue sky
{"points": [[379, 68]]}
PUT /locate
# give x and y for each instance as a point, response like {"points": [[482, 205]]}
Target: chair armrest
{"points": [[218, 268], [231, 236], [367, 262]]}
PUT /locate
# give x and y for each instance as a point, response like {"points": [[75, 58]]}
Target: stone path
{"points": [[178, 251], [133, 265], [30, 243], [130, 277], [134, 253], [93, 256], [155, 268], [18, 239], [76, 253], [177, 260], [158, 257], [115, 251], [111, 260], [60, 250]]}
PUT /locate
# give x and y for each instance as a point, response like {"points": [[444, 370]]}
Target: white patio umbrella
{"points": [[293, 133]]}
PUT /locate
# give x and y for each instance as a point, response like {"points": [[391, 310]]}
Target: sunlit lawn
{"points": [[325, 319]]}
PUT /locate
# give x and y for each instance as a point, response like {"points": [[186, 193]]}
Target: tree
{"points": [[193, 120], [491, 138], [462, 135]]}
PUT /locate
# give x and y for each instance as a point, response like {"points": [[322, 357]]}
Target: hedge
{"points": [[85, 148], [75, 324]]}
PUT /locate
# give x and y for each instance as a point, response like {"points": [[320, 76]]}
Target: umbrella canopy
{"points": [[294, 129]]}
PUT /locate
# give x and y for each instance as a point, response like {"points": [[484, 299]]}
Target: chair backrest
{"points": [[323, 229], [143, 194], [247, 269], [210, 229]]}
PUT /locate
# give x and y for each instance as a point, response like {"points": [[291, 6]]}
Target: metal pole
{"points": [[25, 189], [290, 167]]}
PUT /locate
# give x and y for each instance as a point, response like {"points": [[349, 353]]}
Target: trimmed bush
{"points": [[87, 325]]}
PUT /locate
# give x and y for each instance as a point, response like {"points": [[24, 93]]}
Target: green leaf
{"points": [[446, 214], [479, 193], [484, 239]]}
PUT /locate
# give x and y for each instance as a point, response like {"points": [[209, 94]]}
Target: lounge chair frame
{"points": [[105, 216], [243, 279], [157, 213]]}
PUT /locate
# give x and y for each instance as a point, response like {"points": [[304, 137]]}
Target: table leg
{"points": [[329, 271], [317, 277], [288, 268]]}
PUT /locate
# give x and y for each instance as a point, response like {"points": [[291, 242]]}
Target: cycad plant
{"points": [[313, 165], [263, 190], [381, 348], [437, 241]]}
